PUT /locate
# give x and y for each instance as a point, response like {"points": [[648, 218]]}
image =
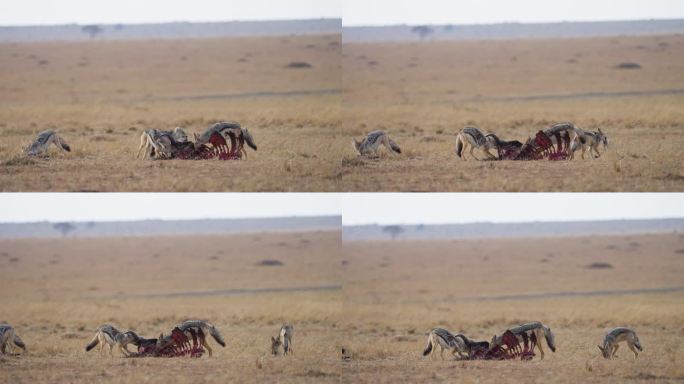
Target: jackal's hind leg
{"points": [[143, 141], [615, 348], [472, 148], [489, 154]]}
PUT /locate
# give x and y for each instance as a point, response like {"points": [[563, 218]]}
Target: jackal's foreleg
{"points": [[206, 345], [631, 346], [539, 346]]}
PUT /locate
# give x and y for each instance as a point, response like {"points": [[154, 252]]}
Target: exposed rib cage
{"points": [[176, 344], [509, 348], [538, 148]]}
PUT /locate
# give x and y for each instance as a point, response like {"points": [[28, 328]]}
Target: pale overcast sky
{"points": [[31, 207], [356, 208], [354, 12], [384, 12], [35, 12], [442, 208]]}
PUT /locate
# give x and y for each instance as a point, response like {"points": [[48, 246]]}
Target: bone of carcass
{"points": [[177, 344]]}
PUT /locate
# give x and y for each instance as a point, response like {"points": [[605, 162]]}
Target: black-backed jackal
{"points": [[40, 146], [617, 335], [228, 129], [591, 141], [202, 327], [109, 335], [473, 137], [538, 329], [285, 338], [578, 137], [445, 340], [158, 143], [371, 143], [9, 339]]}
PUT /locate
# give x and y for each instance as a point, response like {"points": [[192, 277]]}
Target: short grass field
{"points": [[101, 95], [57, 292], [395, 292], [423, 93]]}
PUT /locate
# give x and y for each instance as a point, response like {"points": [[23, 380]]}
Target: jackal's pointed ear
{"points": [[599, 130], [273, 340], [600, 348]]}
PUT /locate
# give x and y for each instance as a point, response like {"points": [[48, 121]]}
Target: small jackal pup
{"points": [[285, 338], [9, 339], [617, 335], [40, 145], [370, 144]]}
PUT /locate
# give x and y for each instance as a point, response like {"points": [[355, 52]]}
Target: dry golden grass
{"points": [[101, 95], [422, 94], [394, 292], [56, 292]]}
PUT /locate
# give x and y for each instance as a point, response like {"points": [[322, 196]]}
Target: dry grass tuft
{"points": [[19, 161]]}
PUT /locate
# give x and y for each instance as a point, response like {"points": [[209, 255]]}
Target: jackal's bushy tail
{"points": [[63, 144], [19, 343], [92, 343], [249, 139], [428, 347], [217, 336], [394, 146]]}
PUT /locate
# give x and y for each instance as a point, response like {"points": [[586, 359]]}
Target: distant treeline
{"points": [[168, 227], [511, 31], [503, 230], [179, 30]]}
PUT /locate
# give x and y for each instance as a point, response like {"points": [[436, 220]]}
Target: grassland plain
{"points": [[100, 96], [395, 292], [423, 93], [57, 292]]}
